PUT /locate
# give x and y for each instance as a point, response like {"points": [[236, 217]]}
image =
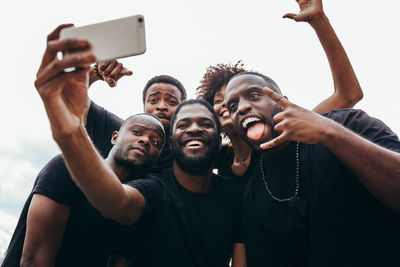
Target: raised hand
{"points": [[110, 72], [308, 9], [295, 123], [64, 94]]}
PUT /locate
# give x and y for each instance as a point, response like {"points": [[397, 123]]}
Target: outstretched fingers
{"points": [[57, 66]]}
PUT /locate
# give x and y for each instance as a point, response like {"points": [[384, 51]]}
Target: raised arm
{"points": [[376, 167], [64, 95], [347, 90]]}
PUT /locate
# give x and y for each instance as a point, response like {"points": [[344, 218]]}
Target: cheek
{"points": [[171, 109]]}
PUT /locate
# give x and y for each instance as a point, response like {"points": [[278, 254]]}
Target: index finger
{"points": [[279, 99], [54, 35]]}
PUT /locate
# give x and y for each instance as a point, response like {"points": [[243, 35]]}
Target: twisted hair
{"points": [[215, 78]]}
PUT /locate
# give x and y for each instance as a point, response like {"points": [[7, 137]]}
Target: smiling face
{"points": [[161, 100], [195, 139], [251, 110], [222, 110], [139, 142]]}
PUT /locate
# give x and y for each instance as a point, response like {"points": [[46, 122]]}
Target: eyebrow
{"points": [[155, 93]]}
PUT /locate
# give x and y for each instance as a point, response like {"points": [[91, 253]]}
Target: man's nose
{"points": [[162, 106], [144, 140], [194, 128], [244, 107]]}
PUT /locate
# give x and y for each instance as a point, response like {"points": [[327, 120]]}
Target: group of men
{"points": [[142, 192]]}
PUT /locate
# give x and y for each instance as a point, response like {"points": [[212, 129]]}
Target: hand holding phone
{"points": [[112, 39]]}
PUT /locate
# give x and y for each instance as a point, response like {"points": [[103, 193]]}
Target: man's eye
{"points": [[208, 125], [182, 125], [253, 96], [153, 100], [155, 142], [233, 107], [136, 132], [172, 103]]}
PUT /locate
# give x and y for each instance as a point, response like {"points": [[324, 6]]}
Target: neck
{"points": [[121, 172], [275, 151], [241, 149], [199, 184]]}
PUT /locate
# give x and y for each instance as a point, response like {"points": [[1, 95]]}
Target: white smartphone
{"points": [[112, 39]]}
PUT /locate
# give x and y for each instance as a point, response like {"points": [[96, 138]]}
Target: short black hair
{"points": [[193, 102], [270, 83], [164, 79], [215, 78]]}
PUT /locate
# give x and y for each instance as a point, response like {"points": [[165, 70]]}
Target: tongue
{"points": [[256, 131]]}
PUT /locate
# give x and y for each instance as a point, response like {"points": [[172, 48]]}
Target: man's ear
{"points": [[114, 137]]}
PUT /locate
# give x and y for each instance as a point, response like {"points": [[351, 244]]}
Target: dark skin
{"points": [[161, 100], [376, 167], [143, 135], [194, 130]]}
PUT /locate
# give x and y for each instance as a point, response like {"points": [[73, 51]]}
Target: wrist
{"points": [[318, 20], [94, 74], [67, 138], [330, 133]]}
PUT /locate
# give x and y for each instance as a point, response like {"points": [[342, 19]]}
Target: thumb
{"points": [[289, 16]]}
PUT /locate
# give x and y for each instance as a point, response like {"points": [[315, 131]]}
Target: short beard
{"points": [[130, 166], [196, 165]]}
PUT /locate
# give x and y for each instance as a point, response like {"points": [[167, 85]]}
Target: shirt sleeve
{"points": [[100, 126], [55, 182], [152, 191], [366, 126]]}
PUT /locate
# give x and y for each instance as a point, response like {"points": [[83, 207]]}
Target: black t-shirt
{"points": [[54, 180], [88, 237], [343, 223], [181, 228], [224, 165]]}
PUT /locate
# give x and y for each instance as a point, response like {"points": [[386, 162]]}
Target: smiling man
{"points": [[326, 189], [184, 216]]}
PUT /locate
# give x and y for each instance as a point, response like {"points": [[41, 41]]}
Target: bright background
{"points": [[183, 38]]}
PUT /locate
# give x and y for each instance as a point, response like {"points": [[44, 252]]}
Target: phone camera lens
{"points": [[140, 20]]}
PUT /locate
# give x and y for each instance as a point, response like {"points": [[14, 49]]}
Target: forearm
{"points": [[90, 172], [376, 167], [347, 88]]}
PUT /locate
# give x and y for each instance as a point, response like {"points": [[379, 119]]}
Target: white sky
{"points": [[183, 38]]}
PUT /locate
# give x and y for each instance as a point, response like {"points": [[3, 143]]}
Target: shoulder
{"points": [[368, 127], [54, 181], [150, 184], [96, 110]]}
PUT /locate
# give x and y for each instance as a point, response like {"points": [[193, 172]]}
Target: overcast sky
{"points": [[183, 38]]}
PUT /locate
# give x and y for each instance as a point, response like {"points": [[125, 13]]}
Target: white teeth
{"points": [[246, 122], [225, 113], [194, 143]]}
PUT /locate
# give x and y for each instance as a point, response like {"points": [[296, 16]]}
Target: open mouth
{"points": [[224, 114], [194, 143], [254, 128]]}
